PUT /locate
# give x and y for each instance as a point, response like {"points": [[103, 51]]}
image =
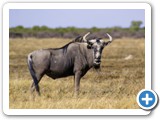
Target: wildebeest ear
{"points": [[90, 43], [106, 43], [89, 46]]}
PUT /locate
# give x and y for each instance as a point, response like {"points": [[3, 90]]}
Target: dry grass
{"points": [[115, 87]]}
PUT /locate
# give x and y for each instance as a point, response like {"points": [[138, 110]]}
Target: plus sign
{"points": [[147, 99]]}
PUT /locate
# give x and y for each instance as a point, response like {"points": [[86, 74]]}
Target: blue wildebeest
{"points": [[75, 58]]}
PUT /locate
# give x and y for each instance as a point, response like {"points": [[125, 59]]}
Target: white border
{"points": [[8, 6]]}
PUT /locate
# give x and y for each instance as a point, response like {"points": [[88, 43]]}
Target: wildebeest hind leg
{"points": [[35, 85]]}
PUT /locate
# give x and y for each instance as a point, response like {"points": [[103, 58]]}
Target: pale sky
{"points": [[81, 18]]}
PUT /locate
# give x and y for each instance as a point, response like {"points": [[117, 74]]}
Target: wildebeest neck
{"points": [[88, 53]]}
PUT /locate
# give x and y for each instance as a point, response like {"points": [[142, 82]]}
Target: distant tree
{"points": [[44, 28], [135, 25], [36, 28], [71, 29], [94, 29], [20, 27]]}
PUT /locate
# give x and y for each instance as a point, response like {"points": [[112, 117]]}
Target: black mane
{"points": [[64, 48], [78, 39]]}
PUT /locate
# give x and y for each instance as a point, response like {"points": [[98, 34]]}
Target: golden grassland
{"points": [[114, 87]]}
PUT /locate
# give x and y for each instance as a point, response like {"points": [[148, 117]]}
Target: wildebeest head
{"points": [[97, 45]]}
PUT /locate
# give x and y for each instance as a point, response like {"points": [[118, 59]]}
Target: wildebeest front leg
{"points": [[77, 78]]}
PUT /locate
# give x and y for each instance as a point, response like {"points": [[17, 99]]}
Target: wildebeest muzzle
{"points": [[97, 63]]}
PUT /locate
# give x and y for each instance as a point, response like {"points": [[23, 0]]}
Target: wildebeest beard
{"points": [[96, 66]]}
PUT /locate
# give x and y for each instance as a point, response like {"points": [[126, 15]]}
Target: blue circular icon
{"points": [[147, 99]]}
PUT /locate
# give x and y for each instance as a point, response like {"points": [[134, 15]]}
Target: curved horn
{"points": [[84, 37], [110, 38]]}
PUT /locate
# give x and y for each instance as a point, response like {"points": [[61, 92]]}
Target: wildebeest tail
{"points": [[31, 69]]}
